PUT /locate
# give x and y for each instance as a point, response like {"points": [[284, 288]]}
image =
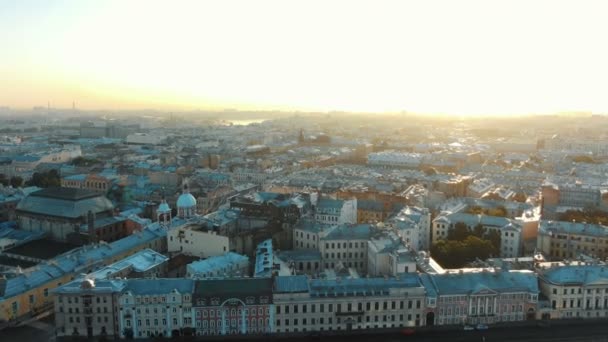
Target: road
{"points": [[41, 331]]}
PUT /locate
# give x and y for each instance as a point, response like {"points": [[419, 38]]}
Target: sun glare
{"points": [[465, 57]]}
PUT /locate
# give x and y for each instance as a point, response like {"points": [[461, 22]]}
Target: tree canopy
{"points": [[464, 245], [477, 210], [589, 216], [46, 179]]}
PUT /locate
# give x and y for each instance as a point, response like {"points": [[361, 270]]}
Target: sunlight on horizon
{"points": [[460, 57]]}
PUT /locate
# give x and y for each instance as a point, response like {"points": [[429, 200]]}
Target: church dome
{"points": [[164, 208], [186, 200]]}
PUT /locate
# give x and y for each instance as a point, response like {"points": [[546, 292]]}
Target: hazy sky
{"points": [[429, 56]]}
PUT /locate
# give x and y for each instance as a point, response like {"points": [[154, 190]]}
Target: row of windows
{"points": [[233, 312], [76, 310], [334, 245], [580, 291], [339, 320], [162, 309], [185, 321], [350, 255], [348, 307], [331, 265], [260, 322], [588, 304]]}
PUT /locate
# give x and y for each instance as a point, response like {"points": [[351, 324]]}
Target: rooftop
{"points": [[576, 275], [233, 287], [159, 286], [41, 249], [69, 194], [64, 202], [457, 282], [216, 263]]}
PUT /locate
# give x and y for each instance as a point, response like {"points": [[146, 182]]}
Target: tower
{"points": [[163, 213]]}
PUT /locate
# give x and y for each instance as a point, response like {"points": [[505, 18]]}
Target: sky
{"points": [[429, 56]]}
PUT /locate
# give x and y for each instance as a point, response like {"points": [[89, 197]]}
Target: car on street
{"points": [[481, 327], [469, 327], [408, 331]]}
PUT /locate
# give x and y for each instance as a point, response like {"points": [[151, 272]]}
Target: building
{"points": [[574, 290], [316, 305], [93, 182], [89, 305], [413, 224], [556, 198], [330, 211], [156, 308], [370, 211], [561, 240], [66, 213], [26, 293], [186, 204], [88, 308], [9, 198], [234, 306], [343, 246], [197, 239], [227, 265], [511, 243], [480, 296], [393, 158], [145, 139], [388, 256]]}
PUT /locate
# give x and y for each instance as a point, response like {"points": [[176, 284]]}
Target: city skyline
{"points": [[470, 57]]}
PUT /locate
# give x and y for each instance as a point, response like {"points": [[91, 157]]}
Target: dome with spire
{"points": [[164, 208], [186, 204], [186, 200]]}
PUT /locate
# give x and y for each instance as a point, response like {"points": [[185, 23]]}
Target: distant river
{"points": [[242, 122]]}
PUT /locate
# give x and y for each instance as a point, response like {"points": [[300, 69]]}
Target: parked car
{"points": [[408, 331], [469, 327], [481, 327]]}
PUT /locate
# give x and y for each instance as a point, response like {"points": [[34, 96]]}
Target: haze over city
{"points": [[464, 58], [303, 170]]}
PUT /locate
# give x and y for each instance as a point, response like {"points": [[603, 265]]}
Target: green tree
{"points": [[45, 179], [16, 181], [478, 231], [494, 237], [459, 232], [3, 180]]}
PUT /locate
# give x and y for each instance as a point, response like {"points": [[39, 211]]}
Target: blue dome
{"points": [[186, 200], [164, 208]]}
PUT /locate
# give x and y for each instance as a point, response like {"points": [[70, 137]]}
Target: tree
{"points": [[494, 237], [82, 161], [520, 197], [16, 181], [475, 210], [478, 231], [45, 179], [459, 232], [3, 180], [498, 211]]}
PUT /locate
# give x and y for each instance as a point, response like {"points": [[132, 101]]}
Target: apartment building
{"points": [[575, 290], [315, 305], [480, 296], [561, 240]]}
